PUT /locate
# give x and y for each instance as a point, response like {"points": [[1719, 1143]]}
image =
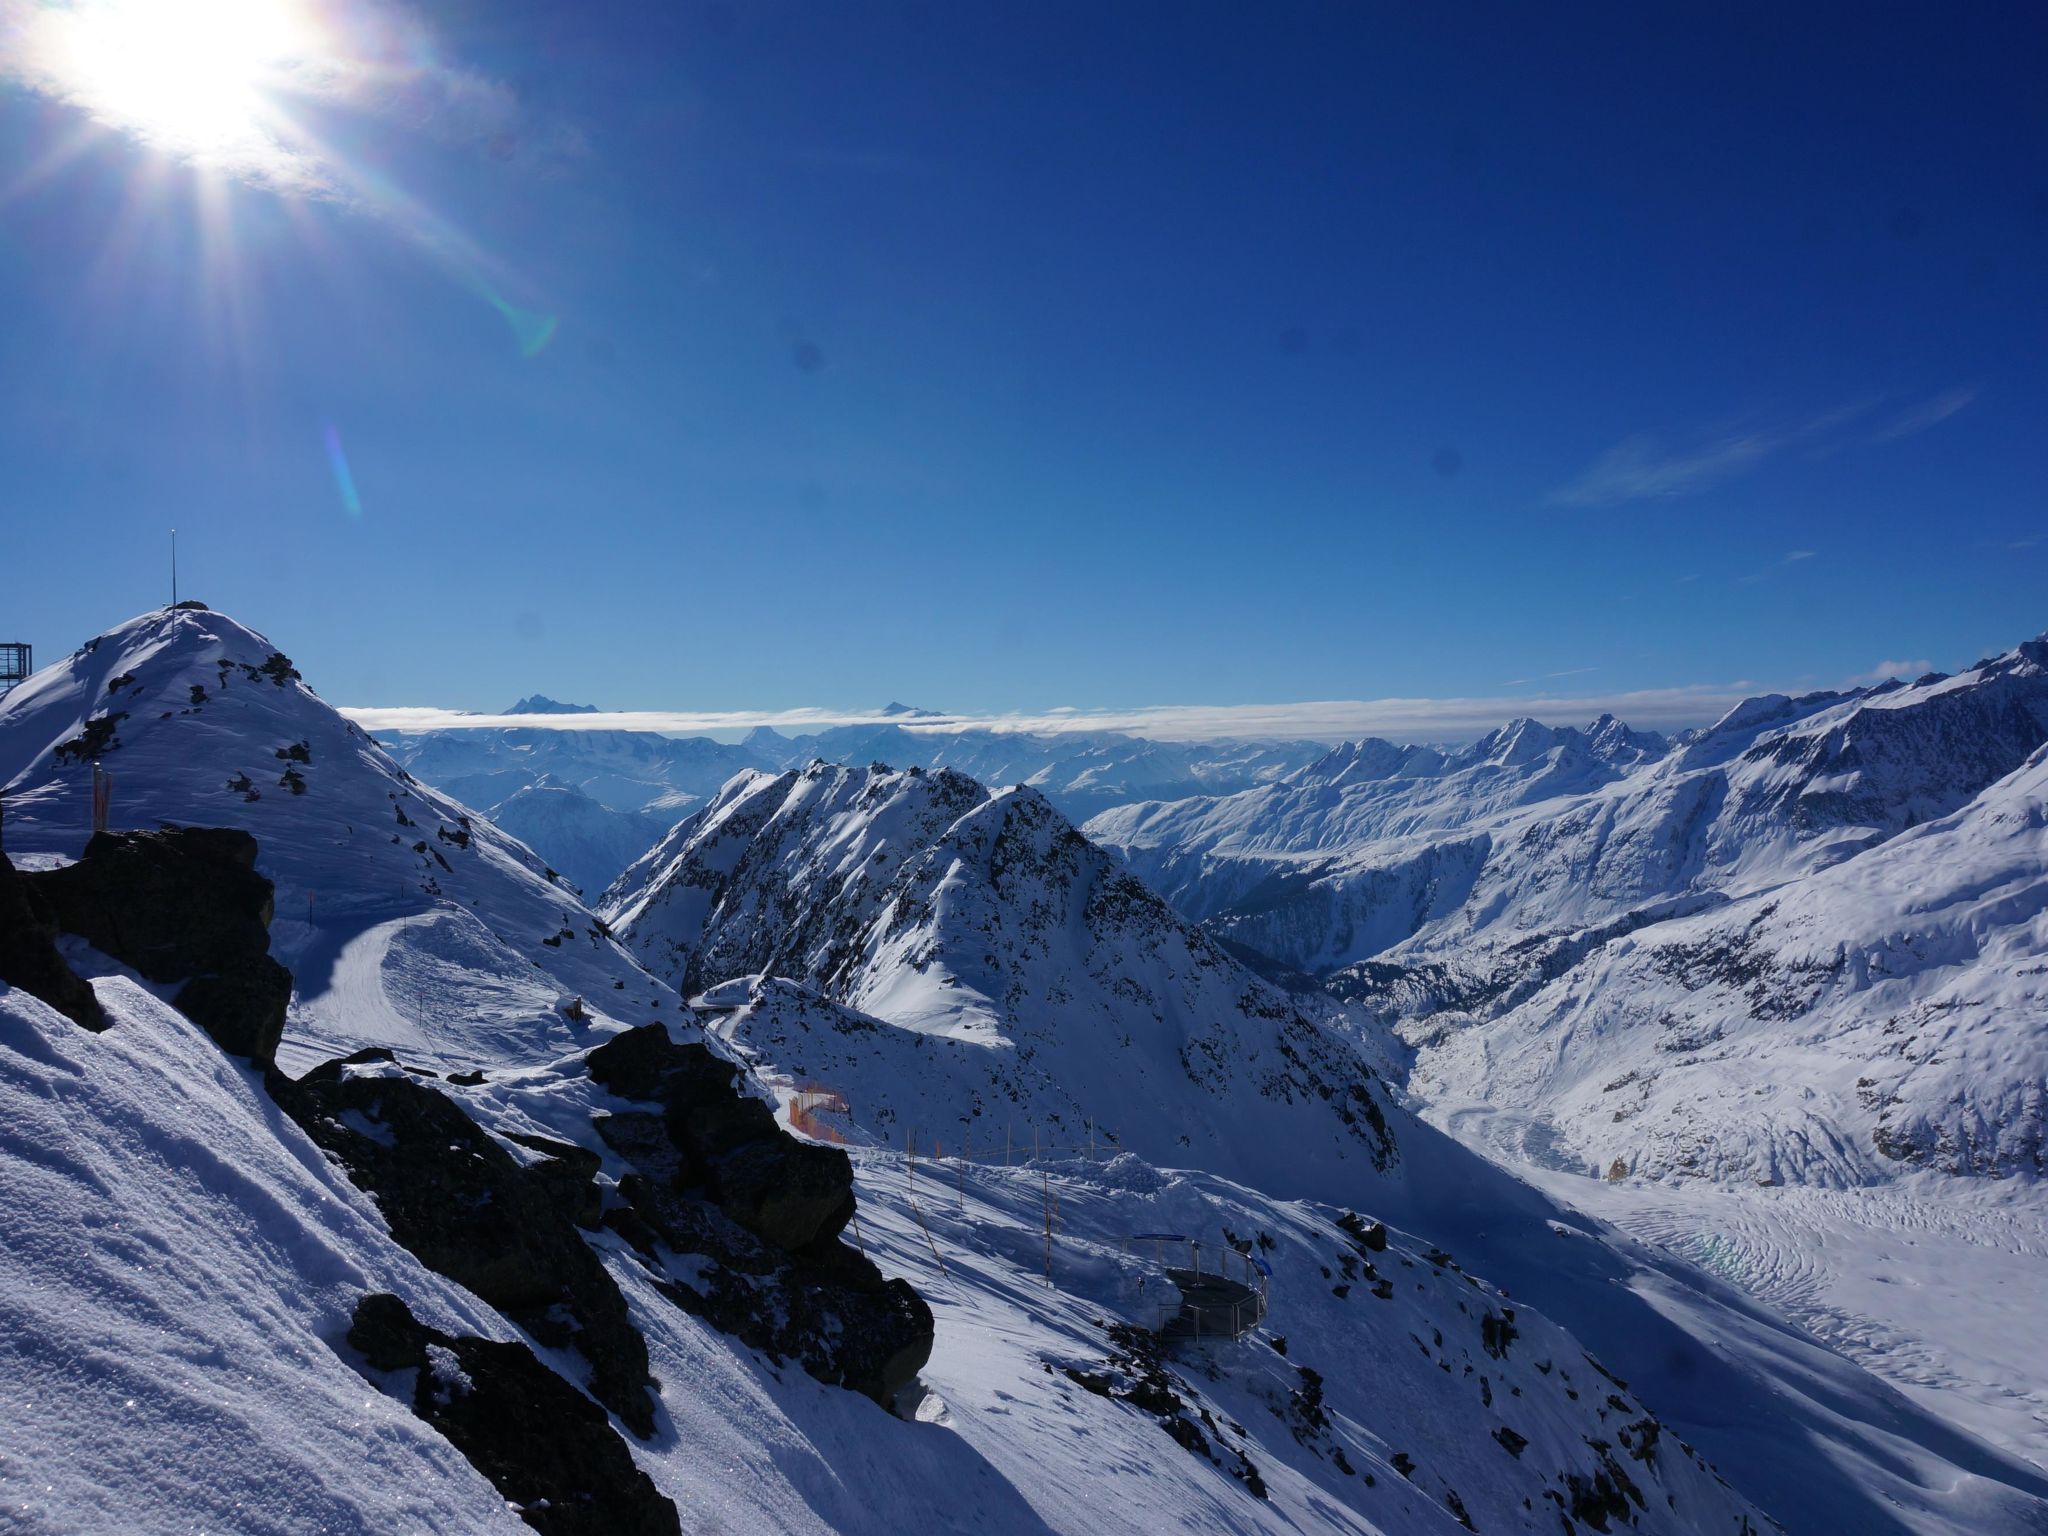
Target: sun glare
{"points": [[197, 78]]}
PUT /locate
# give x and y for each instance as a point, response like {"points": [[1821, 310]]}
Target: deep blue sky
{"points": [[1004, 357]]}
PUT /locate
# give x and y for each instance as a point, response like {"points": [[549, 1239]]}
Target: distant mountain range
{"points": [[1848, 881]]}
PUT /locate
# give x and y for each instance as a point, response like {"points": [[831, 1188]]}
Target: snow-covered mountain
{"points": [[409, 920], [987, 919], [1081, 772], [629, 771], [948, 951], [482, 1254], [1889, 1011], [1538, 830], [1817, 880], [589, 843], [1778, 976]]}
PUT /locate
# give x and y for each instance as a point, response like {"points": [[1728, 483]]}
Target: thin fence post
{"points": [[1045, 1188]]}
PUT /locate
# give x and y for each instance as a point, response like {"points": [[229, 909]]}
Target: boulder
{"points": [[788, 1192], [544, 1446], [184, 904], [29, 958], [466, 1208], [759, 1215]]}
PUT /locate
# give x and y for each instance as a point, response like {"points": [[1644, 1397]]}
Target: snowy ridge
{"points": [[1908, 986], [1081, 772], [1573, 828], [928, 902], [408, 920]]}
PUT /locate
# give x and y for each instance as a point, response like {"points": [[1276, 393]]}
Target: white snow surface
{"points": [[374, 871], [177, 1262]]}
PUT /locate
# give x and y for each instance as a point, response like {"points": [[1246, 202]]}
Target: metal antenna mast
{"points": [[174, 567]]}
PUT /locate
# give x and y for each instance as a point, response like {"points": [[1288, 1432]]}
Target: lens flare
{"points": [[344, 480], [530, 330]]}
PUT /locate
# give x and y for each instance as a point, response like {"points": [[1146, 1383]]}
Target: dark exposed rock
{"points": [[1136, 1374], [182, 903], [790, 1193], [467, 1209], [1371, 1236], [242, 1008], [94, 741], [29, 958], [1498, 1332], [545, 1446], [715, 1177]]}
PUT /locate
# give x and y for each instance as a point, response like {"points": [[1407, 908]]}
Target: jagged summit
{"points": [[985, 920], [541, 704]]}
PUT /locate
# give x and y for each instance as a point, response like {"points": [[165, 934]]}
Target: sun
{"points": [[201, 79]]}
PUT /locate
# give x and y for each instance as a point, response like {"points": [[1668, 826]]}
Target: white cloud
{"points": [[1778, 567], [1928, 414], [1643, 468], [1331, 720], [1640, 469]]}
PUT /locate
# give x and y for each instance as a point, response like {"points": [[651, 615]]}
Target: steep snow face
{"points": [[177, 1265], [926, 901], [1888, 1011], [1535, 831], [588, 843], [408, 920]]}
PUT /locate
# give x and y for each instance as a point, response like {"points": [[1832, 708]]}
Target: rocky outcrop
{"points": [[759, 1212], [545, 1446], [467, 1209], [791, 1194], [182, 905], [29, 958]]}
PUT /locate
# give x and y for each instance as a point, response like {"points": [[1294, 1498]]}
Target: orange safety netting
{"points": [[804, 1109]]}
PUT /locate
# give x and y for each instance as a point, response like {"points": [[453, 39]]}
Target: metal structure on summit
{"points": [[17, 661], [1214, 1303]]}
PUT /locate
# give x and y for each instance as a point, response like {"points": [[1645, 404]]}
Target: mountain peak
{"points": [[905, 711], [541, 704]]}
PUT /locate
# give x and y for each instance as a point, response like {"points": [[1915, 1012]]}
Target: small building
{"points": [[17, 661]]}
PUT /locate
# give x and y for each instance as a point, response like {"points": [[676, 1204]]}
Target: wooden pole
{"points": [[1046, 1191]]}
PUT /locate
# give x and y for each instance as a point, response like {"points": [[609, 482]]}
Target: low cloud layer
{"points": [[1436, 720]]}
